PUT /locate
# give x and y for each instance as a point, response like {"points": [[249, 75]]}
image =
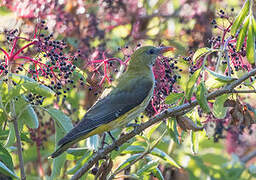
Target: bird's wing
{"points": [[115, 104]]}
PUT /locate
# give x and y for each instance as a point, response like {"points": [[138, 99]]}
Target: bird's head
{"points": [[146, 56]]}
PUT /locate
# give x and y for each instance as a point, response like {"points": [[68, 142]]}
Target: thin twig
{"points": [[171, 112]]}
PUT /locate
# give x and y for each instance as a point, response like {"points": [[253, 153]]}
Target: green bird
{"points": [[128, 97]]}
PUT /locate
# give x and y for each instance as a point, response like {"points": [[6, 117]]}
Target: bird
{"points": [[127, 98]]}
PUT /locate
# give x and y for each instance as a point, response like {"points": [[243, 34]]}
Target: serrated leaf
{"points": [[202, 52], [5, 157], [219, 111], [127, 162], [173, 97], [62, 119], [201, 96], [242, 34], [250, 49], [240, 17], [220, 77], [151, 165], [159, 153], [6, 171], [190, 84]]}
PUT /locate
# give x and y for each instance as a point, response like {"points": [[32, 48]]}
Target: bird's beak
{"points": [[165, 49]]}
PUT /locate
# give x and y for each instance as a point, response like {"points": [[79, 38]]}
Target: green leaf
{"points": [[127, 161], [62, 120], [219, 111], [134, 149], [240, 17], [191, 83], [93, 142], [11, 136], [201, 96], [150, 132], [172, 129], [159, 153], [78, 73], [77, 151], [173, 97], [242, 33], [86, 156], [30, 85], [150, 166], [194, 142], [29, 117], [202, 52], [250, 49], [5, 157], [254, 24], [59, 161], [6, 171], [158, 174], [220, 77]]}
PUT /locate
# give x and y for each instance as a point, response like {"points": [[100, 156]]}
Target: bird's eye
{"points": [[151, 51]]}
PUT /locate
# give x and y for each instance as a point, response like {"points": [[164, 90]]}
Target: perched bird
{"points": [[128, 97]]}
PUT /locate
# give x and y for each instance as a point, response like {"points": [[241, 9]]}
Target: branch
{"points": [[171, 112]]}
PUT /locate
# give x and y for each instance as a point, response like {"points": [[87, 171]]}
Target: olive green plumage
{"points": [[129, 97]]}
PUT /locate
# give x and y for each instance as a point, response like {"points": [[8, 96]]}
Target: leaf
{"points": [[26, 113], [219, 111], [172, 129], [59, 161], [240, 17], [6, 171], [6, 158], [242, 33], [77, 151], [150, 132], [11, 136], [151, 165], [93, 142], [158, 174], [78, 73], [194, 142], [220, 77], [201, 52], [159, 153], [133, 149], [201, 96], [250, 49], [127, 162], [62, 120], [191, 82], [31, 85], [254, 24], [173, 97], [86, 156]]}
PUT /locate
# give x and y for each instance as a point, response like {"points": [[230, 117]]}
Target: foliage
{"points": [[59, 57]]}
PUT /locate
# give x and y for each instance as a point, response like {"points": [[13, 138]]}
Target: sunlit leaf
{"points": [[159, 153], [202, 52], [147, 168], [173, 97], [240, 17], [191, 83], [194, 142], [219, 110], [220, 77], [201, 96], [242, 34], [134, 149], [127, 161], [250, 49], [6, 171]]}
